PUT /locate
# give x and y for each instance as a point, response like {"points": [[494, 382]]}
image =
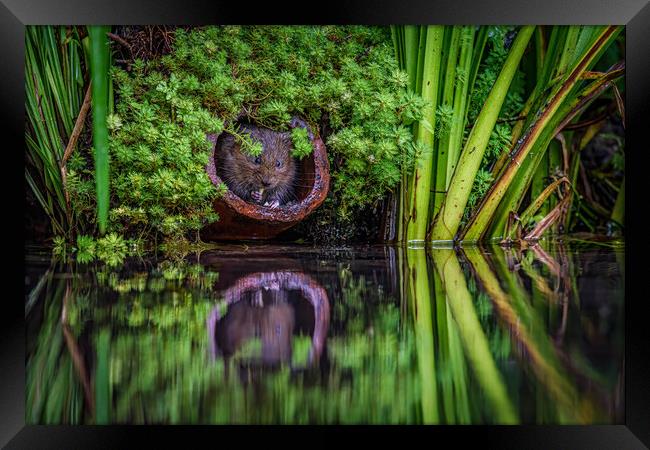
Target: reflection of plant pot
{"points": [[239, 219], [277, 319]]}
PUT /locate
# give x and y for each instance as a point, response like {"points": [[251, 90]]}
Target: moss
{"points": [[301, 145]]}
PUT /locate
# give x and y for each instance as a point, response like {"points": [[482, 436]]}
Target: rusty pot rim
{"points": [[284, 213]]}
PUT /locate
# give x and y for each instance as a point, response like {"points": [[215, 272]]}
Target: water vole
{"points": [[267, 179]]}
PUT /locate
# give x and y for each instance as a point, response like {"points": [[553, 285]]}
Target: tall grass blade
{"points": [[538, 202], [99, 67]]}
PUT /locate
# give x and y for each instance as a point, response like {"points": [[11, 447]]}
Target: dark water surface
{"points": [[267, 334]]}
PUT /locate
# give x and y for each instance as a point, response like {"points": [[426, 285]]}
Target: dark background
{"points": [[14, 14]]}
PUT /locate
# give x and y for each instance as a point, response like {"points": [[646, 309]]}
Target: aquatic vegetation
{"points": [[59, 247], [557, 101], [478, 87], [111, 249]]}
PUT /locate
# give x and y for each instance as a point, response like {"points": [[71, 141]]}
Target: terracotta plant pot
{"points": [[240, 220]]}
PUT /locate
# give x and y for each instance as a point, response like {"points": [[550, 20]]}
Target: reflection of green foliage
{"points": [[171, 271], [300, 350], [483, 307], [78, 311], [167, 275], [170, 366], [500, 345], [157, 368], [53, 392], [194, 274], [251, 349], [354, 292], [185, 297]]}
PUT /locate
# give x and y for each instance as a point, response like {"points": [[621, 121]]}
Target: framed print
{"points": [[383, 219]]}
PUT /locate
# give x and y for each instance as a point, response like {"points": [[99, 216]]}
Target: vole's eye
{"points": [[258, 160], [278, 163]]}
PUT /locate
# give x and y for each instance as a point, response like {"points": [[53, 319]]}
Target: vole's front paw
{"points": [[256, 196], [272, 204]]}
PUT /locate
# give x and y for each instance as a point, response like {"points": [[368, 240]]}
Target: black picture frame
{"points": [[635, 14]]}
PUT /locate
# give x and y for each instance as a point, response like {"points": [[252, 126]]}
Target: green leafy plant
{"points": [[301, 145], [112, 249], [85, 249], [59, 247], [343, 80]]}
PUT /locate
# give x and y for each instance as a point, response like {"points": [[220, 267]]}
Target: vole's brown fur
{"points": [[274, 171]]}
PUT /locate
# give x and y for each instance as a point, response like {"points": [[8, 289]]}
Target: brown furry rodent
{"points": [[267, 179]]}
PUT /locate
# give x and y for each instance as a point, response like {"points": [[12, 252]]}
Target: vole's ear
{"points": [[228, 142], [298, 122]]}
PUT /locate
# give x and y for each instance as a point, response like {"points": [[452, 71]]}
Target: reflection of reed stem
{"points": [[526, 329], [453, 379], [459, 300], [419, 295]]}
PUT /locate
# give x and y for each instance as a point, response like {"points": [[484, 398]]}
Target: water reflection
{"points": [[362, 335], [266, 307]]}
